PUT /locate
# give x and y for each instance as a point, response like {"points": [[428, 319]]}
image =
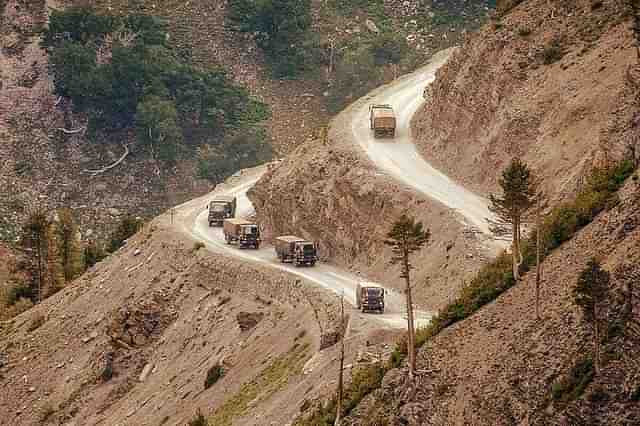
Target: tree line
{"points": [[55, 254], [123, 74]]}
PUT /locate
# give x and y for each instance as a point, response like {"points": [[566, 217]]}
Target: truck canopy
{"points": [[238, 221], [369, 284], [289, 239], [223, 199]]}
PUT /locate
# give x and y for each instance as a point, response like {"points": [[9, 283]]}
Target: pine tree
{"points": [[69, 245], [519, 193], [591, 294], [405, 237], [39, 239]]}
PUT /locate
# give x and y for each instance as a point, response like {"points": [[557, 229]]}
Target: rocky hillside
{"points": [[134, 339], [550, 81], [32, 144], [327, 191], [501, 366]]}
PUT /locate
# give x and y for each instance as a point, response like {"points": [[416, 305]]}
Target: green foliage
{"points": [[405, 237], [241, 150], [69, 245], [388, 48], [496, 277], [365, 380], [598, 195], [592, 289], [281, 29], [572, 386], [518, 192], [157, 124], [199, 420], [127, 227], [552, 52], [77, 24], [94, 252], [213, 375], [198, 245], [122, 74], [19, 291]]}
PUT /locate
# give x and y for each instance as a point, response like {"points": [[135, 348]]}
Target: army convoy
{"points": [[289, 248]]}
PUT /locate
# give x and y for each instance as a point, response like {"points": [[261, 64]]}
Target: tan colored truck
{"points": [[382, 120], [370, 297], [242, 232], [296, 250]]}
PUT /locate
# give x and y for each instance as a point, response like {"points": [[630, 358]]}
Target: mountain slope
{"points": [[549, 82]]}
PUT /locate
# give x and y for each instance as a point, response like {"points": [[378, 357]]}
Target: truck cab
{"points": [[306, 253], [221, 208], [370, 297]]}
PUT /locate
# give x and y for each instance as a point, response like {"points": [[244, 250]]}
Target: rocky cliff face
{"points": [[549, 81]]}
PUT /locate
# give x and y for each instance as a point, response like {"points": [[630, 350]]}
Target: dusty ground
{"points": [[159, 303]]}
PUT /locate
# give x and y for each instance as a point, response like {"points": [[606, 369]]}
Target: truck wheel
{"points": [[312, 263]]}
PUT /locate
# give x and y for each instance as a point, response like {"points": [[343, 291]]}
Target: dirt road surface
{"points": [[192, 217], [399, 157]]}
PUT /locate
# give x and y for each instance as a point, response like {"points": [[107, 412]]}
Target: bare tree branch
{"points": [[111, 166]]}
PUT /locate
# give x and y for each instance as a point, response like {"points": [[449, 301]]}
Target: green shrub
{"points": [[198, 245], [388, 48], [199, 420], [94, 252], [552, 52], [365, 380], [572, 386], [524, 31], [127, 227], [281, 29], [213, 375], [19, 291], [143, 83]]}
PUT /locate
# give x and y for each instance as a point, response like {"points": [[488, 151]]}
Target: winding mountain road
{"points": [[397, 157]]}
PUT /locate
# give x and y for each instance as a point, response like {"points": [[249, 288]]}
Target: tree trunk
{"points": [[538, 277], [40, 271], [596, 337], [340, 376], [515, 250], [411, 342]]}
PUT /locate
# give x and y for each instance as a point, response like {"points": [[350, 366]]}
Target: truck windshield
{"points": [[374, 292], [217, 207], [250, 230], [308, 249]]}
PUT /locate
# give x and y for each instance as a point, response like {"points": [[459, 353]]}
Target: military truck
{"points": [[382, 120], [370, 297], [220, 208], [296, 250], [242, 232]]}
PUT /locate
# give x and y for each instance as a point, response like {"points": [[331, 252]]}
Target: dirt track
{"points": [[397, 158]]}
